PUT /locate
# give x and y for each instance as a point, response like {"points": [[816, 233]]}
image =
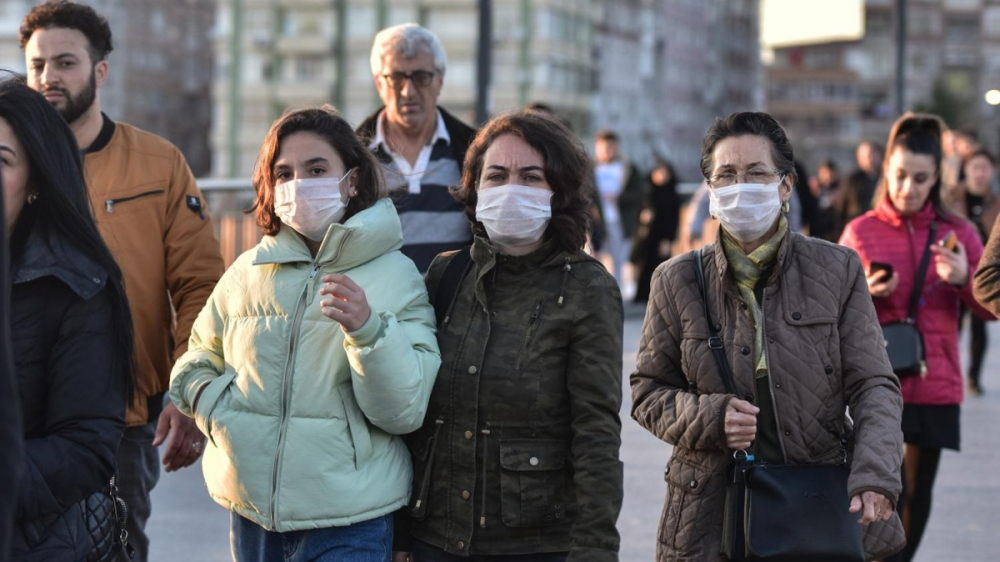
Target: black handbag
{"points": [[904, 343], [782, 513], [104, 515]]}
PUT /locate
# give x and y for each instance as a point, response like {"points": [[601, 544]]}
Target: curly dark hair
{"points": [[567, 169], [330, 126], [70, 15]]}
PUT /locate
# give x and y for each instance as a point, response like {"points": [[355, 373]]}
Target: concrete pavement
{"points": [[964, 527]]}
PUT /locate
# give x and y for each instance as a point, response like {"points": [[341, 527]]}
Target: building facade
{"points": [[160, 70]]}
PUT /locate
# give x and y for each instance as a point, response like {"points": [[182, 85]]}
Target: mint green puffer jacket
{"points": [[303, 422]]}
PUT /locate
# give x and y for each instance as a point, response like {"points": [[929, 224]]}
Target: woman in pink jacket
{"points": [[896, 231]]}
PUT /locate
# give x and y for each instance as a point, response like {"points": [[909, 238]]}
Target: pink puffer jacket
{"points": [[884, 235]]}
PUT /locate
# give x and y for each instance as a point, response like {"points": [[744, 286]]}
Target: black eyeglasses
{"points": [[420, 78]]}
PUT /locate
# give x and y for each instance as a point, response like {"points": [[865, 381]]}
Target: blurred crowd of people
{"points": [[422, 358]]}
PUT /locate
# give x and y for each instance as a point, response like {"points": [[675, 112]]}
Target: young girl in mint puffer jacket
{"points": [[314, 353]]}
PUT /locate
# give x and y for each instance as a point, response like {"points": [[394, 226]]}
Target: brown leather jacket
{"points": [[825, 355], [153, 218]]}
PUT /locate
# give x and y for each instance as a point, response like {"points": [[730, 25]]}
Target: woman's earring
{"points": [[32, 197], [785, 208]]}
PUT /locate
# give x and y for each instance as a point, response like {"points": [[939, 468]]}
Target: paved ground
{"points": [[188, 526]]}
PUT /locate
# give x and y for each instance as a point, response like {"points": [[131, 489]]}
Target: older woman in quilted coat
{"points": [[803, 340]]}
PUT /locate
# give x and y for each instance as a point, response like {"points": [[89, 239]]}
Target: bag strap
{"points": [[925, 262], [714, 341], [451, 279]]}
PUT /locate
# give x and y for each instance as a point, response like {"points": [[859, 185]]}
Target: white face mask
{"points": [[514, 215], [310, 205], [746, 210]]}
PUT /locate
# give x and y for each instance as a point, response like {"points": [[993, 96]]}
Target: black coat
{"points": [[72, 406], [10, 418]]}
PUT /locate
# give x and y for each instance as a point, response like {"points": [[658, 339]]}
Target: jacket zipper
{"points": [[528, 333], [110, 203], [285, 391], [486, 452], [770, 379], [425, 482]]}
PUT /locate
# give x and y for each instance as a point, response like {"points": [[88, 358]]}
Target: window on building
{"points": [[878, 23], [991, 22], [309, 68], [962, 29], [300, 22]]}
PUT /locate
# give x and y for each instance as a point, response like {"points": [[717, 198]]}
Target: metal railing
{"points": [[227, 199]]}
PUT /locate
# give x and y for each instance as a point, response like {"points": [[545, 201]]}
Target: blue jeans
{"points": [[423, 552], [138, 472], [368, 541]]}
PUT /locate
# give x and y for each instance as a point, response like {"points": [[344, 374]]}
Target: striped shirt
{"points": [[433, 222]]}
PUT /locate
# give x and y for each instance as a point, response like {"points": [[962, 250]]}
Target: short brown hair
{"points": [[328, 124], [70, 15], [567, 170]]}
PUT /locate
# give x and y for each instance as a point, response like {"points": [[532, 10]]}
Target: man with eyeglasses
{"points": [[421, 145]]}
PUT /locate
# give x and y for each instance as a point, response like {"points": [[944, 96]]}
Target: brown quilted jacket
{"points": [[826, 354]]}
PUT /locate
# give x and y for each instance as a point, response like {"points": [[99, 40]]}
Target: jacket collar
{"points": [[459, 134], [46, 253], [784, 252], [362, 238], [888, 213]]}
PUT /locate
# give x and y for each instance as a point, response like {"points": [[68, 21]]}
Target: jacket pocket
{"points": [[208, 400], [127, 201], [681, 525], [358, 426], [529, 334], [532, 482]]}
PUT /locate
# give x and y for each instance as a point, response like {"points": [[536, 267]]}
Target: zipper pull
{"points": [[538, 308], [315, 270], [110, 205]]}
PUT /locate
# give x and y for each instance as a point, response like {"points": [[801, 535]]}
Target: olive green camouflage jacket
{"points": [[519, 449]]}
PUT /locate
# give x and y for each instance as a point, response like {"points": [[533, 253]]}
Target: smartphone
{"points": [[881, 267], [949, 242]]}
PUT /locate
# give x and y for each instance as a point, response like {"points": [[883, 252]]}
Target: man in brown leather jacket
{"points": [[152, 216]]}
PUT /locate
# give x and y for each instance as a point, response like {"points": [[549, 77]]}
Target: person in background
{"points": [[71, 331], [152, 215], [859, 188], [517, 458], [897, 232], [314, 353], [620, 192], [658, 223], [420, 144], [804, 345], [827, 191]]}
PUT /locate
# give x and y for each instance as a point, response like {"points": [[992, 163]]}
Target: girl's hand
{"points": [[951, 267], [879, 286], [345, 302]]}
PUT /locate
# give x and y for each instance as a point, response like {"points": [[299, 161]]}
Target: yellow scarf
{"points": [[748, 269]]}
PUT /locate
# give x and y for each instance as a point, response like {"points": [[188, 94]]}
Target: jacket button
{"points": [[787, 432], [718, 327], [468, 435], [460, 545], [829, 370], [693, 484], [533, 461], [473, 370], [796, 316], [770, 340], [745, 350], [777, 385], [748, 397], [466, 495]]}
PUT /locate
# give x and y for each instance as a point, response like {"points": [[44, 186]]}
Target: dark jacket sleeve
{"points": [[85, 408], [11, 439], [871, 391], [594, 383], [661, 401], [987, 279]]}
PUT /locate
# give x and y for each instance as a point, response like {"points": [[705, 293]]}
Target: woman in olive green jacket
{"points": [[518, 455], [315, 351]]}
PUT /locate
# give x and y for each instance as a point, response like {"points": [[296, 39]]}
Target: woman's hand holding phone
{"points": [[882, 281], [951, 263]]}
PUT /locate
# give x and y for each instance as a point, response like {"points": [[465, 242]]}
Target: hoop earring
{"points": [[32, 197], [785, 207]]}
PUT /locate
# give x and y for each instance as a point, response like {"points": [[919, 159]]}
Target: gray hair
{"points": [[748, 123], [408, 40]]}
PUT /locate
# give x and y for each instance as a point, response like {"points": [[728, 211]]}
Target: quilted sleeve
{"points": [[974, 254], [987, 277], [871, 391], [661, 402]]}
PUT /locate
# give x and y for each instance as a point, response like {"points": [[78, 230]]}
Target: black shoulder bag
{"points": [[903, 341], [782, 513]]}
